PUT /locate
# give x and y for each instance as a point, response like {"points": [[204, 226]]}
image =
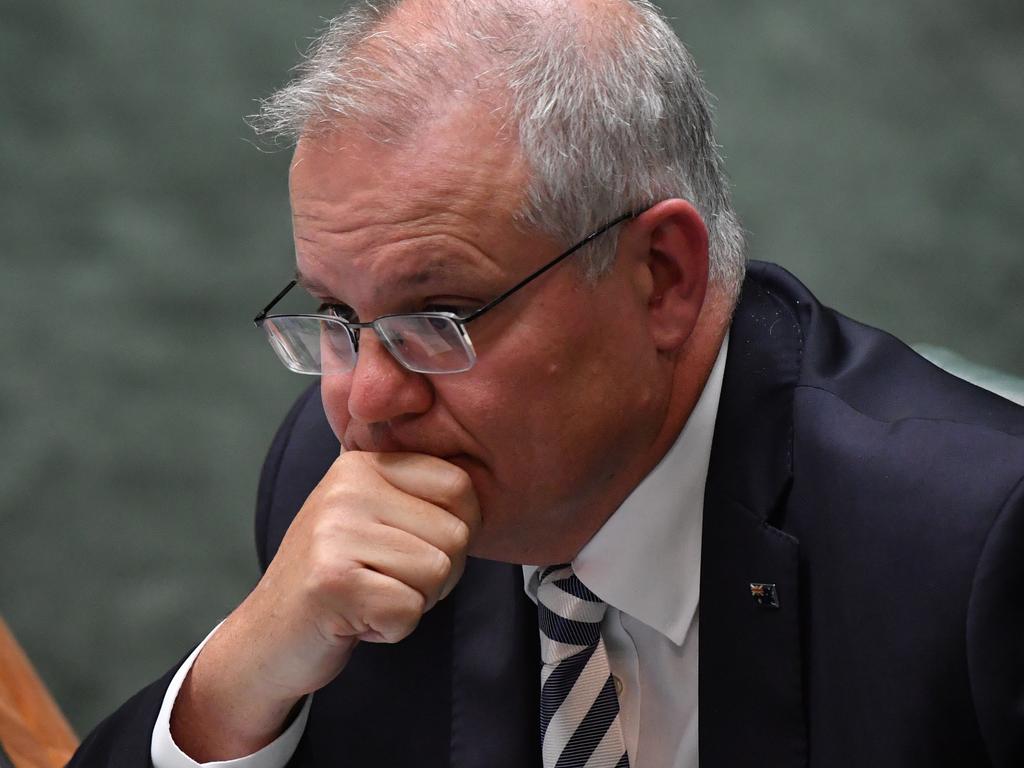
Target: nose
{"points": [[379, 388]]}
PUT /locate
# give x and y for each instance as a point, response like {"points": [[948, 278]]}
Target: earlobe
{"points": [[677, 262]]}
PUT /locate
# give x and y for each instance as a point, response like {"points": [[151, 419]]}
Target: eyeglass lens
{"points": [[427, 343], [421, 343]]}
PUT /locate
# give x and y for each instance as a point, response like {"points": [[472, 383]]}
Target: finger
{"points": [[431, 479], [433, 524], [403, 556], [362, 482], [444, 484], [387, 611]]}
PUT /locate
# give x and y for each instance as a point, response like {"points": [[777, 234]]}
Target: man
{"points": [[562, 407]]}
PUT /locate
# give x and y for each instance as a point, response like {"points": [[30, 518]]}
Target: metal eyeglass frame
{"points": [[459, 320]]}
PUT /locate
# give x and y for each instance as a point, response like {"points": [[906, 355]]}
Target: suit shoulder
{"points": [[301, 452], [876, 374], [886, 447]]}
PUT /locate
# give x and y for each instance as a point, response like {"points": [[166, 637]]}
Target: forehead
{"points": [[443, 202]]}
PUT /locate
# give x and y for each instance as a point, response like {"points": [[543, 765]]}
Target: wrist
{"points": [[223, 711]]}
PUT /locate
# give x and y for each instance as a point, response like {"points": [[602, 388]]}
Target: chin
{"points": [[507, 549], [486, 548], [505, 536]]}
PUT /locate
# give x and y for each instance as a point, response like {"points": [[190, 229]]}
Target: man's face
{"points": [[565, 392]]}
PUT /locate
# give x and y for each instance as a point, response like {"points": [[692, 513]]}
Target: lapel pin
{"points": [[765, 595]]}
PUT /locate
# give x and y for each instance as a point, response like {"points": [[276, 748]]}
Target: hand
{"points": [[379, 542]]}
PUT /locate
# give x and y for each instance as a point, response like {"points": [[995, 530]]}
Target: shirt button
{"points": [[618, 685]]}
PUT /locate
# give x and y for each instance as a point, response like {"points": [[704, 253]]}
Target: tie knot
{"points": [[570, 614]]}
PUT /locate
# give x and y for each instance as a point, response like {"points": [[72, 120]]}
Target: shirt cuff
{"points": [[165, 753]]}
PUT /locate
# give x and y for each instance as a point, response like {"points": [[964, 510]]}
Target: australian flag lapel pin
{"points": [[765, 595]]}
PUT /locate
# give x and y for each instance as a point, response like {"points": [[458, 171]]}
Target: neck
{"points": [[691, 370]]}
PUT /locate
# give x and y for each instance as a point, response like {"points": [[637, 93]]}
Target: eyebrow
{"points": [[403, 282], [311, 284]]}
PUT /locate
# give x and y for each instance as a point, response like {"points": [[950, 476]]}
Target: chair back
{"points": [[33, 731]]}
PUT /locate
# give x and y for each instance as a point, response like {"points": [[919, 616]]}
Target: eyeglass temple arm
{"points": [[270, 306], [550, 265]]}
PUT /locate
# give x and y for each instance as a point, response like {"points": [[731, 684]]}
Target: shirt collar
{"points": [[645, 560]]}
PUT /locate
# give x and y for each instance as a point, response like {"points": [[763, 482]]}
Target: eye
{"points": [[342, 311]]}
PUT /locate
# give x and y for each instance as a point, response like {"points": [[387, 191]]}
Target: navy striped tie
{"points": [[579, 708]]}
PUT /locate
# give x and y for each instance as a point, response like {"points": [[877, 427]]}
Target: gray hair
{"points": [[607, 105]]}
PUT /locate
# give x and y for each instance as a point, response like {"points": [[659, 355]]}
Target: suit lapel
{"points": [[750, 678], [495, 670]]}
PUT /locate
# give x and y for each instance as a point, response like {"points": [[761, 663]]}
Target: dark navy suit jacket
{"points": [[883, 498]]}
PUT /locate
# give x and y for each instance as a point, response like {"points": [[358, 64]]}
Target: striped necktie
{"points": [[579, 709]]}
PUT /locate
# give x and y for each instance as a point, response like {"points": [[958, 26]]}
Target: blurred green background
{"points": [[876, 149]]}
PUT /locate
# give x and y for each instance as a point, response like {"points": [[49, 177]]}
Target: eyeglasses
{"points": [[422, 342]]}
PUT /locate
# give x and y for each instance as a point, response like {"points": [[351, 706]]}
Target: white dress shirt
{"points": [[645, 563]]}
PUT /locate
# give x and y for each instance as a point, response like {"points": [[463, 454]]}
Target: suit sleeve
{"points": [[123, 739], [995, 635], [265, 495]]}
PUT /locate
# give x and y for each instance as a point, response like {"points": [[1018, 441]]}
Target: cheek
{"points": [[531, 400], [560, 361], [334, 392]]}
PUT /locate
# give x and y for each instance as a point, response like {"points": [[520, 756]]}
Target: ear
{"points": [[672, 264]]}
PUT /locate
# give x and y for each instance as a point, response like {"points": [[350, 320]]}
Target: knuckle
{"points": [[401, 615], [341, 466], [401, 632], [349, 458], [335, 578], [321, 577], [321, 529], [326, 576], [351, 463], [340, 529], [327, 535], [343, 524], [440, 568], [457, 484], [341, 496], [459, 535], [413, 608], [333, 627]]}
